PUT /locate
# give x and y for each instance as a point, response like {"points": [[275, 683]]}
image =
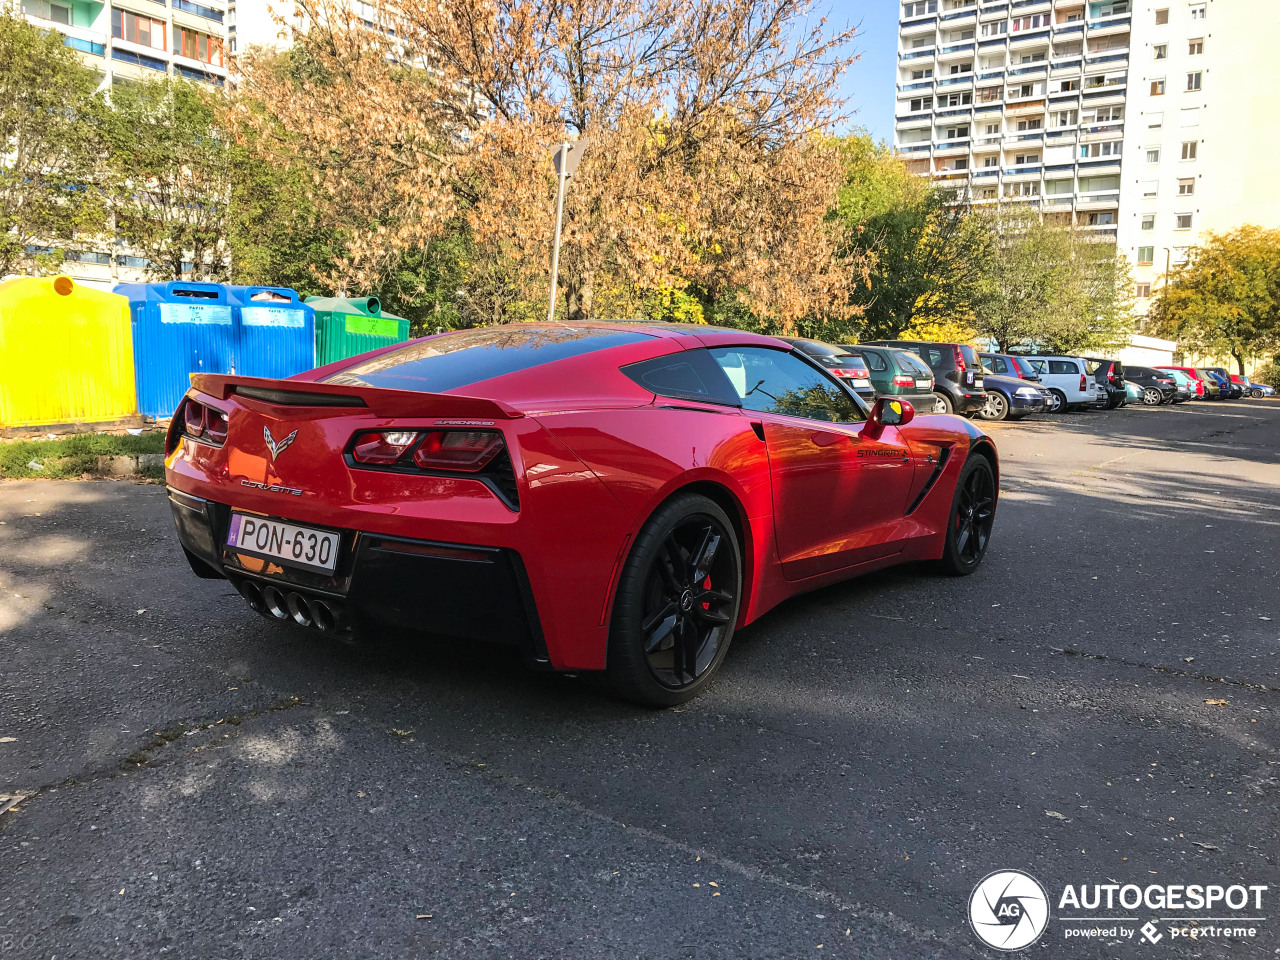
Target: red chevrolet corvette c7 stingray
{"points": [[607, 496]]}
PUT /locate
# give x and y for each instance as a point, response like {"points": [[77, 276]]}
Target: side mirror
{"points": [[892, 412]]}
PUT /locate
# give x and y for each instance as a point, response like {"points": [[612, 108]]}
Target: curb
{"points": [[130, 465]]}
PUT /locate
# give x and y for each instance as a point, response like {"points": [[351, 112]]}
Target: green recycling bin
{"points": [[346, 326]]}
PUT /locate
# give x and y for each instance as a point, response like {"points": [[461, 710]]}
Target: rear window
{"points": [[457, 359], [850, 361], [819, 350], [1024, 366], [913, 365], [875, 360], [970, 355]]}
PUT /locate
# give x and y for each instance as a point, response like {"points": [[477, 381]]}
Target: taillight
{"points": [[904, 382], [383, 448], [1084, 384], [193, 419], [959, 356], [466, 450], [203, 423]]}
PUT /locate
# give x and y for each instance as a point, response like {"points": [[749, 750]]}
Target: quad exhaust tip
{"points": [[305, 611]]}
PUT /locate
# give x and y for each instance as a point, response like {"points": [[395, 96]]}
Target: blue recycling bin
{"points": [[277, 331], [181, 328], [178, 329]]}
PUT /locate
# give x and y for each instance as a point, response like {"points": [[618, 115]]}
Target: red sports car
{"points": [[607, 496]]}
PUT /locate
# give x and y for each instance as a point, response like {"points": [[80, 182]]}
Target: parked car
{"points": [[898, 373], [1158, 386], [1068, 381], [957, 373], [1012, 398], [1186, 386], [1230, 389], [1110, 376], [1208, 388], [838, 362], [585, 536], [1008, 365], [1209, 375], [1133, 391], [1260, 390]]}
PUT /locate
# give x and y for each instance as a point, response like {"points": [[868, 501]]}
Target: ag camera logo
{"points": [[1008, 910]]}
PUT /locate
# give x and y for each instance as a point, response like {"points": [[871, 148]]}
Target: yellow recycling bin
{"points": [[66, 353]]}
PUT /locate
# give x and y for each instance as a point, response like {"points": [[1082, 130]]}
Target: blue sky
{"points": [[869, 84]]}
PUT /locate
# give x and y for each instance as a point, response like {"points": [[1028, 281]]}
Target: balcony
{"points": [[917, 85], [199, 9], [1112, 55], [1036, 68], [952, 148], [1029, 137], [1104, 25], [955, 112], [957, 50], [77, 38], [916, 54], [1026, 171], [1066, 29], [1058, 200], [1098, 201], [954, 81], [914, 148], [1103, 131], [1024, 107], [1069, 64]]}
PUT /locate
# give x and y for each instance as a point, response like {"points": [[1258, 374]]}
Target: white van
{"points": [[1069, 382]]}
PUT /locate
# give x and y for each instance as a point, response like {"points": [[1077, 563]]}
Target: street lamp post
{"points": [[565, 159]]}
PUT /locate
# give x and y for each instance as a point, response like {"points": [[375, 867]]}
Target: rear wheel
{"points": [[1151, 396], [996, 406], [942, 404], [973, 512], [676, 604]]}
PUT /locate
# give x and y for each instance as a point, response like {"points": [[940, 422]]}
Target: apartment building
{"points": [[1144, 122], [1202, 136]]}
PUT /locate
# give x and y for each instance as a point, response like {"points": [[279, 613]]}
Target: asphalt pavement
{"points": [[1097, 704]]}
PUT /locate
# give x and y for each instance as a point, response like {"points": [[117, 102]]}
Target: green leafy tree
{"points": [[50, 115], [170, 168], [926, 249], [1226, 298]]}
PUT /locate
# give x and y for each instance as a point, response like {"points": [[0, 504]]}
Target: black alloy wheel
{"points": [[973, 513], [676, 605]]}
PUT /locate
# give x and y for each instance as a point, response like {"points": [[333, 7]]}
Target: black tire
{"points": [[689, 603], [943, 404], [1256, 394], [973, 510], [1059, 401], [996, 406]]}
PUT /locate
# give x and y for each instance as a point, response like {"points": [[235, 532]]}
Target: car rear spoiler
{"points": [[378, 401]]}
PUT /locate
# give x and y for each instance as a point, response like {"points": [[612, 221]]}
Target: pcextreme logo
{"points": [[1009, 910]]}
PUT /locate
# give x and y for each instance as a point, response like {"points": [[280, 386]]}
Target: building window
{"points": [[988, 94], [1153, 155], [1146, 256], [1106, 218], [1029, 189], [1162, 16], [1189, 150], [993, 128], [1150, 187], [1069, 85], [1065, 118], [962, 163], [1186, 187], [1111, 148], [998, 29], [1142, 291], [136, 29], [957, 133], [197, 46], [920, 103], [1148, 221], [1193, 81], [1155, 120], [961, 68], [991, 161], [1197, 11], [1195, 47], [919, 9], [60, 13], [1157, 88], [1190, 116], [1161, 51], [988, 193], [1026, 158], [1184, 222], [1036, 124], [922, 74]]}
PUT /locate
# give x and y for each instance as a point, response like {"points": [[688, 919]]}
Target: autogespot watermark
{"points": [[1010, 910]]}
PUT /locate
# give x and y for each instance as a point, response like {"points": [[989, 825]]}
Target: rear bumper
{"points": [[469, 592], [967, 401]]}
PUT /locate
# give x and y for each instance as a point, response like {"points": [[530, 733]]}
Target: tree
{"points": [[170, 169], [925, 250], [704, 164], [50, 113], [1226, 298], [1052, 286]]}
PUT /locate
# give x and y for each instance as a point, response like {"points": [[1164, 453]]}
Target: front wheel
{"points": [[973, 513], [1059, 401], [676, 604], [1256, 394], [996, 407]]}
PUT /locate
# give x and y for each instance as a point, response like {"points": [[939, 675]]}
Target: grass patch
{"points": [[72, 455]]}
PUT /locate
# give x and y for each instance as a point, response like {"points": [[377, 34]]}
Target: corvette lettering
{"points": [[271, 487], [886, 452], [464, 423]]}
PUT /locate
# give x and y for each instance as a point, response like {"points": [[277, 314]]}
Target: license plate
{"points": [[861, 383], [924, 384], [289, 543]]}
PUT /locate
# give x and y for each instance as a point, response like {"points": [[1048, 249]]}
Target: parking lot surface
{"points": [[1097, 704]]}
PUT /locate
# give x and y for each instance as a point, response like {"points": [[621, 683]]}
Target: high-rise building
{"points": [[132, 39], [1146, 123]]}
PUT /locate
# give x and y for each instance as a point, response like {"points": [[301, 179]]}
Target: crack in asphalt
{"points": [[146, 755], [1171, 671]]}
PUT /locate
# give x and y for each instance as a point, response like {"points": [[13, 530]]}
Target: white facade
{"points": [[253, 23], [1150, 122], [1148, 352], [1018, 101], [1202, 134]]}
